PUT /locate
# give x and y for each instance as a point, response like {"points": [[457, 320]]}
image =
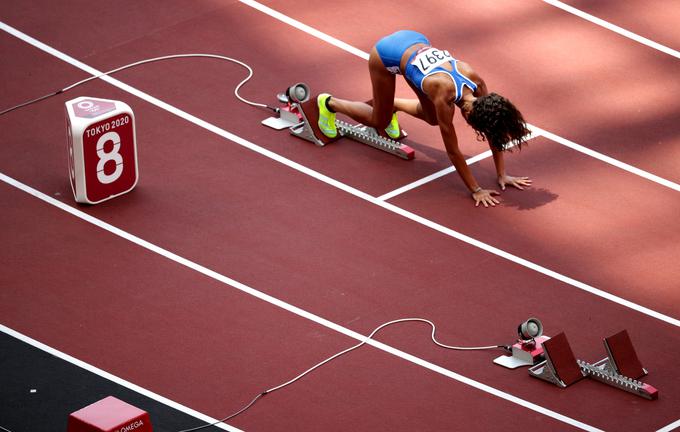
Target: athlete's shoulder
{"points": [[467, 70]]}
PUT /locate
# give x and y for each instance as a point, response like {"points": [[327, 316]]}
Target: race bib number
{"points": [[431, 58]]}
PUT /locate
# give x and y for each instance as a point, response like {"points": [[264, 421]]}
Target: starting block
{"points": [[563, 369], [301, 118]]}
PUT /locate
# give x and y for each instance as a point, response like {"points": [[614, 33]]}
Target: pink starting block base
{"points": [[109, 415]]}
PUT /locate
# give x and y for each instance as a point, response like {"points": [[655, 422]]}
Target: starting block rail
{"points": [[370, 136], [603, 372]]}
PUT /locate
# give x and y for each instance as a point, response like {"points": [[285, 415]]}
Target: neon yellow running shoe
{"points": [[326, 117], [393, 130]]}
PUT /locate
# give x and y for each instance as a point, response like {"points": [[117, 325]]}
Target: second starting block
{"points": [[621, 368], [301, 118]]}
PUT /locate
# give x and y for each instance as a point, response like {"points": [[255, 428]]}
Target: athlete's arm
{"points": [[503, 179], [444, 107]]}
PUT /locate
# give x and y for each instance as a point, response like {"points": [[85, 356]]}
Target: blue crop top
{"points": [[428, 61]]}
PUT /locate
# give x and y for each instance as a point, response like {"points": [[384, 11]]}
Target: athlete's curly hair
{"points": [[496, 120]]}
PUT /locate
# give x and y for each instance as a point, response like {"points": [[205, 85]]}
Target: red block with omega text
{"points": [[109, 415]]}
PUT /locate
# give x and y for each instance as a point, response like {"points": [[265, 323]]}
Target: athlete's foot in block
{"points": [[393, 130], [326, 117]]}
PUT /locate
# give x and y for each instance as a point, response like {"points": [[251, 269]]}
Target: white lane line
{"points": [[610, 160], [389, 195], [328, 180], [431, 177], [616, 29], [552, 136], [670, 427], [283, 305], [120, 381], [342, 186], [307, 29]]}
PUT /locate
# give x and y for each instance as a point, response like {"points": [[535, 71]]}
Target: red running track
{"points": [[140, 316]]}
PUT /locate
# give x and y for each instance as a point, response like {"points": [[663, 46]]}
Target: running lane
{"points": [[571, 77], [317, 247], [202, 343], [584, 218], [655, 21]]}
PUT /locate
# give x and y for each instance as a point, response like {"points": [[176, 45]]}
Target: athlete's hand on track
{"points": [[485, 196], [517, 182]]}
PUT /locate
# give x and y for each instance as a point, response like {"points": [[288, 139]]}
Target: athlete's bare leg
{"points": [[383, 83], [421, 108]]}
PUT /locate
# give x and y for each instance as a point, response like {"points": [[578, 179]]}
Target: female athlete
{"points": [[441, 83]]}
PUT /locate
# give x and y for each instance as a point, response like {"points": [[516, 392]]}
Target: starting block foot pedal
{"points": [[560, 366], [621, 368], [622, 355], [308, 128]]}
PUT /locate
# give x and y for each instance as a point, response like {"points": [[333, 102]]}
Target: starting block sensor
{"points": [[528, 350]]}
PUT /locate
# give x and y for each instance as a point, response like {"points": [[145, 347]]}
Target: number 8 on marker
{"points": [[104, 157], [102, 148]]}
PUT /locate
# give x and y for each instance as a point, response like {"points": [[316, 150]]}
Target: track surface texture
{"points": [[245, 255]]}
